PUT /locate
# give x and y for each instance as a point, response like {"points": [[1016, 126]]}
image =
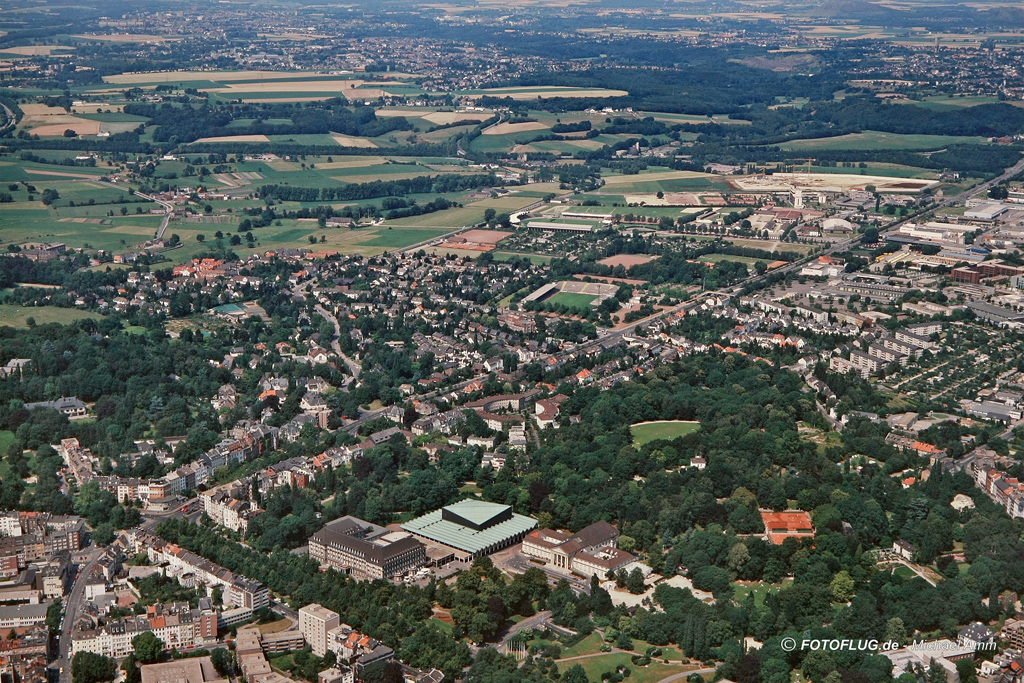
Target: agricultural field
{"points": [[545, 91], [645, 432], [32, 221], [295, 234]]}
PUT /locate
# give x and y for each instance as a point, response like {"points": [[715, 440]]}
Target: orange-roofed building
{"points": [[778, 526]]}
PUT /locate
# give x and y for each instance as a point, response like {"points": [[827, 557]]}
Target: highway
{"points": [[9, 119]]}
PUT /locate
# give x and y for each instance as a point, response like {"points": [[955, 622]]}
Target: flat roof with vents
{"points": [[472, 526]]}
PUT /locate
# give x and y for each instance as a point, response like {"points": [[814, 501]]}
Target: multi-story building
{"points": [[225, 506], [238, 591], [593, 550], [348, 547], [360, 650], [177, 626], [33, 536], [315, 621]]}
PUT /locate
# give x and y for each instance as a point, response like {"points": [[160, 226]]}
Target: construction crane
{"points": [[809, 160]]}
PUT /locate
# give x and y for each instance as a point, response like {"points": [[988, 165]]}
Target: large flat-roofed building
{"points": [[365, 551], [314, 622], [18, 616], [191, 670], [472, 528], [995, 314], [559, 227]]}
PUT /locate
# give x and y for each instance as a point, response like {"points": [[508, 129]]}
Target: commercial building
{"points": [[559, 227], [365, 551], [920, 656], [315, 621], [472, 528], [985, 212]]}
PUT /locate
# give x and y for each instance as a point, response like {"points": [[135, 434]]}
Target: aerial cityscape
{"points": [[602, 341]]}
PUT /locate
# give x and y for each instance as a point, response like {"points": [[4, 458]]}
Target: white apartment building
{"points": [[314, 623]]}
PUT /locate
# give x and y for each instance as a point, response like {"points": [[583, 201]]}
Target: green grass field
{"points": [[6, 439], [874, 140], [595, 666], [397, 239], [652, 431], [588, 646], [759, 591], [904, 572], [571, 300], [718, 258], [17, 316], [27, 221], [508, 255]]}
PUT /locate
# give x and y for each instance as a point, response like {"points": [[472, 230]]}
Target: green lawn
{"points": [[595, 666], [759, 591], [667, 651], [651, 431], [443, 625], [17, 316], [718, 258], [571, 300], [396, 239], [904, 572], [6, 439], [507, 255], [588, 646]]}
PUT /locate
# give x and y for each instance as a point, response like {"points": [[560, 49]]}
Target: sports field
{"points": [[718, 258], [571, 300], [645, 432]]}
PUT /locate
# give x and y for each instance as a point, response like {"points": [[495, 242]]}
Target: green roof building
{"points": [[472, 527]]}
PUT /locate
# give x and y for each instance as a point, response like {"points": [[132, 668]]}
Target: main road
{"points": [[354, 367], [9, 118], [71, 610], [168, 208], [168, 212]]}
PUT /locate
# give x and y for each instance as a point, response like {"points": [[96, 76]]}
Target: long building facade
{"points": [[346, 546], [177, 626]]}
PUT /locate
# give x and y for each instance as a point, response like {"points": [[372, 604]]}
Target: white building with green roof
{"points": [[472, 528]]}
